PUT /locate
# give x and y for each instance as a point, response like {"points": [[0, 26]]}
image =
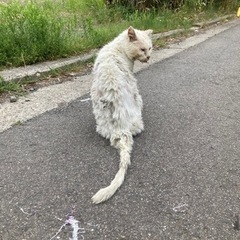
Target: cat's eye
{"points": [[143, 49]]}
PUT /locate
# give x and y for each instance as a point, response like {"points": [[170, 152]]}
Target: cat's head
{"points": [[140, 44]]}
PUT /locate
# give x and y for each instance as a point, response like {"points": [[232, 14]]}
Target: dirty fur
{"points": [[117, 104]]}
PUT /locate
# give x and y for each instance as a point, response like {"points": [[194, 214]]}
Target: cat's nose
{"points": [[148, 57]]}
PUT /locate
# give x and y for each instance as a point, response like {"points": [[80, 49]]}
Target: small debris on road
{"points": [[13, 99], [181, 208], [76, 229], [85, 100], [23, 211], [236, 224]]}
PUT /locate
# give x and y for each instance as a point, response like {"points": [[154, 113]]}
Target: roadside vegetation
{"points": [[9, 86], [32, 31], [36, 30]]}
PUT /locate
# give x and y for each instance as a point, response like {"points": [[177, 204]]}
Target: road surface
{"points": [[184, 181]]}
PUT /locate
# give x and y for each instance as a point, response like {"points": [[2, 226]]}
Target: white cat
{"points": [[117, 104]]}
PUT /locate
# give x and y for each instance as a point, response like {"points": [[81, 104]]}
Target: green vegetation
{"points": [[36, 30], [9, 86]]}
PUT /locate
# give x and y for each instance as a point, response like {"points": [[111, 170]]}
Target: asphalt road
{"points": [[184, 181]]}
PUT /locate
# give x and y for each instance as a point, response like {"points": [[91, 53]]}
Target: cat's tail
{"points": [[123, 142]]}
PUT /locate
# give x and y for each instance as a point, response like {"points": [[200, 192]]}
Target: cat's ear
{"points": [[131, 34], [149, 32]]}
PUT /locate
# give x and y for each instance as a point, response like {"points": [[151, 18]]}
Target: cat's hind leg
{"points": [[137, 127]]}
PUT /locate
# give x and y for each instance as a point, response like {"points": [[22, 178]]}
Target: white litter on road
{"points": [[85, 100], [180, 208], [25, 211], [76, 229]]}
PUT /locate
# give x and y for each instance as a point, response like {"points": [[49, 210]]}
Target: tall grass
{"points": [[38, 30], [29, 33]]}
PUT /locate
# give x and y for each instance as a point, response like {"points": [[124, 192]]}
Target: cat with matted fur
{"points": [[117, 104]]}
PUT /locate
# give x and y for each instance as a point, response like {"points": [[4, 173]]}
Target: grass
{"points": [[33, 31], [9, 87]]}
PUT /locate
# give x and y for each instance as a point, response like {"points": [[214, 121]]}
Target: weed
{"points": [[9, 86], [17, 123]]}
